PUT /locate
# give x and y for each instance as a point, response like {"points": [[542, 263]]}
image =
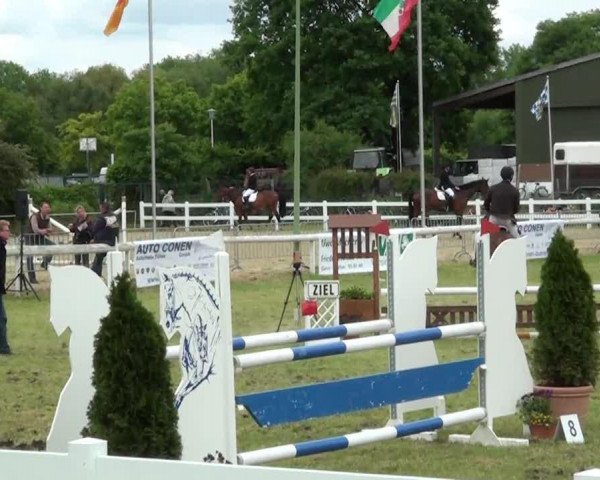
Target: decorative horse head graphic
{"points": [[189, 305]]}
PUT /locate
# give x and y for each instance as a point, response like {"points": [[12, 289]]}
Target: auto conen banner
{"points": [[539, 234], [196, 252]]}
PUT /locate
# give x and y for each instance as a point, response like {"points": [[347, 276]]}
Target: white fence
{"points": [[87, 459], [318, 212]]}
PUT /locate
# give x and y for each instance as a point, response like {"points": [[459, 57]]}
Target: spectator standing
{"points": [[168, 208], [104, 230], [38, 234], [81, 229], [4, 236]]}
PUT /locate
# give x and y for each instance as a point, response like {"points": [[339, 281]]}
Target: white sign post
{"points": [[327, 295], [87, 145], [569, 429]]}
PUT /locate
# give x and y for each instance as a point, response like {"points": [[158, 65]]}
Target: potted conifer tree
{"points": [[565, 354], [133, 407]]}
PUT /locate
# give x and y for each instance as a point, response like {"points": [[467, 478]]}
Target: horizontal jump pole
{"points": [[287, 405], [365, 437], [473, 290], [310, 334], [250, 360], [296, 336]]}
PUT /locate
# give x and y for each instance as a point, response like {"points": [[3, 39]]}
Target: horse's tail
{"points": [[282, 203], [411, 207]]}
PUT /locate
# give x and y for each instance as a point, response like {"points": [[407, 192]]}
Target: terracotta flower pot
{"points": [[542, 432], [568, 400]]}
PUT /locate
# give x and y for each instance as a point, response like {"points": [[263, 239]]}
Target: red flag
{"points": [[382, 228], [309, 307], [488, 227], [403, 22], [115, 19]]}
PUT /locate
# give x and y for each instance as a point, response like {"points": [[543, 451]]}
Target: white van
{"points": [[577, 168]]}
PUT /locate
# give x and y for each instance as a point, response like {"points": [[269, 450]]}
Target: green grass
{"points": [[33, 377]]}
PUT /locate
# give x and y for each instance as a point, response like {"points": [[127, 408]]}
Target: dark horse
{"points": [[266, 201], [432, 202]]}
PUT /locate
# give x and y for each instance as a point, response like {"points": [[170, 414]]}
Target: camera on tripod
{"points": [[22, 214]]}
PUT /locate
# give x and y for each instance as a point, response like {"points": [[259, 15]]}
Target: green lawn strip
{"points": [[33, 378]]}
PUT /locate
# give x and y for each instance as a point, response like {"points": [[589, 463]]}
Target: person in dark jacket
{"points": [[4, 236], [104, 230], [38, 233], [81, 228], [502, 202], [447, 186], [250, 185]]}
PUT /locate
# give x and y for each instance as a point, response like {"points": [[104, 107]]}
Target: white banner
{"points": [[539, 234], [356, 265], [195, 252]]}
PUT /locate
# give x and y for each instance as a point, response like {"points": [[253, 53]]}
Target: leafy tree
{"points": [[133, 407], [321, 147], [566, 352], [96, 89], [573, 36], [16, 168], [86, 125], [13, 77], [21, 124], [492, 127], [347, 73], [178, 114], [200, 73]]}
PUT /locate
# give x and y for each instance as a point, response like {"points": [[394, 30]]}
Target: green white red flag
{"points": [[394, 16]]}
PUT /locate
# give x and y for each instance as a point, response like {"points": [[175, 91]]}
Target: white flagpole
{"points": [[399, 131], [152, 131], [421, 139], [550, 139]]}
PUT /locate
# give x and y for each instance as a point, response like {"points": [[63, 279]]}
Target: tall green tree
{"points": [[86, 125], [178, 116], [21, 124], [16, 168], [347, 73], [573, 36]]}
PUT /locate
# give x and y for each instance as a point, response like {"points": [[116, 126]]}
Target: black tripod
{"points": [[24, 283], [297, 273]]}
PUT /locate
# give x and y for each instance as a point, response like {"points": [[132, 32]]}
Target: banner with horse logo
{"points": [[194, 252]]}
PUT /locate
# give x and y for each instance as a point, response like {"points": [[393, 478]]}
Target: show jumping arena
{"points": [[414, 381]]}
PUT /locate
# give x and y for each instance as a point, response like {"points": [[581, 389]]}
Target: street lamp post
{"points": [[211, 116]]}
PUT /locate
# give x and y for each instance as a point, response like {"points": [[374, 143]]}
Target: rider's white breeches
{"points": [[450, 192]]}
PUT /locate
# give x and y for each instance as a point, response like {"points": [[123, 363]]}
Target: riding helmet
{"points": [[507, 173]]}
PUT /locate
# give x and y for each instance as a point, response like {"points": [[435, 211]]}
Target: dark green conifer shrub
{"points": [[566, 352], [133, 407]]}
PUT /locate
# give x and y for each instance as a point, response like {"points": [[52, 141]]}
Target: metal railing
{"points": [[221, 214]]}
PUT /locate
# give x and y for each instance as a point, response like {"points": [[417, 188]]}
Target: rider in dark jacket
{"points": [[447, 186], [502, 202], [250, 184]]}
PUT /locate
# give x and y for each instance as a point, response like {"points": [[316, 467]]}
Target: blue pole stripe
{"points": [[302, 353], [309, 334], [414, 336], [421, 335], [427, 425], [239, 343], [313, 447]]}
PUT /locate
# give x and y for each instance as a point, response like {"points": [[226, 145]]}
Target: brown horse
{"points": [[266, 201], [432, 202]]}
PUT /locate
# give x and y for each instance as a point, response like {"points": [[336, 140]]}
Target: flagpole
{"points": [[399, 131], [421, 140], [296, 223], [550, 139], [152, 130]]}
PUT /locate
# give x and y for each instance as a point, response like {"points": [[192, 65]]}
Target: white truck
{"points": [[577, 169]]}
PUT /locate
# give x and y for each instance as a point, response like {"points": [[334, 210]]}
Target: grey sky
{"points": [[65, 35]]}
